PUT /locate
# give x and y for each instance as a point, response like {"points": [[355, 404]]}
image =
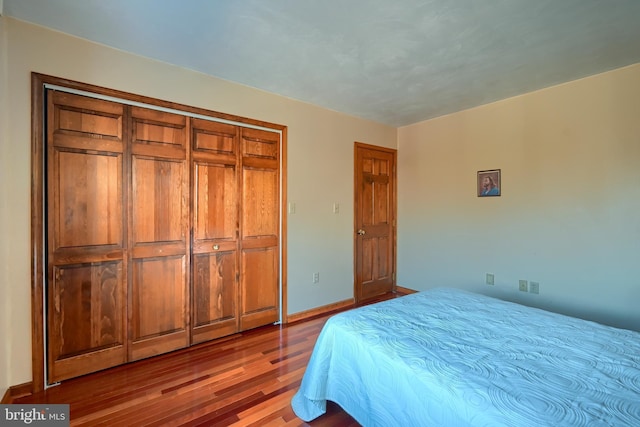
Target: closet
{"points": [[162, 230]]}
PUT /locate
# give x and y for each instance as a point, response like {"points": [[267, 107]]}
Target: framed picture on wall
{"points": [[489, 183]]}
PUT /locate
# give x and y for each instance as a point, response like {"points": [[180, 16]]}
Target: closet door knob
{"points": [[361, 232], [216, 247]]}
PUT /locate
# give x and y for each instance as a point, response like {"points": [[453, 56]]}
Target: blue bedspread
{"points": [[446, 357]]}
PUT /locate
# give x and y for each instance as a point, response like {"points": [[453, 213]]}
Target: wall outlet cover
{"points": [[522, 285], [534, 287]]}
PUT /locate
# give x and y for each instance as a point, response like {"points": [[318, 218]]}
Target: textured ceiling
{"points": [[391, 61]]}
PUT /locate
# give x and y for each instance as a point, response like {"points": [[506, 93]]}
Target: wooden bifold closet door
{"points": [[162, 232], [158, 233], [215, 230], [259, 228], [87, 261]]}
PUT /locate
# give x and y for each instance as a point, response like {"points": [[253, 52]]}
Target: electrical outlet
{"points": [[489, 280], [523, 285], [316, 277], [534, 287]]}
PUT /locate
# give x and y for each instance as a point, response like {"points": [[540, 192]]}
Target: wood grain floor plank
{"points": [[265, 412]]}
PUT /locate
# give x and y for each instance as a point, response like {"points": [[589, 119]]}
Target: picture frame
{"points": [[489, 183]]}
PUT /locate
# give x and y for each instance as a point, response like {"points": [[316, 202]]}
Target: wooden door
{"points": [[215, 230], [159, 238], [86, 265], [259, 228], [375, 220]]}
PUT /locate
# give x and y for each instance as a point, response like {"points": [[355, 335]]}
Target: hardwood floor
{"points": [[247, 379]]}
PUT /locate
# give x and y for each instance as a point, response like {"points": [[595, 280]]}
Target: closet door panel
{"points": [[154, 312], [158, 134], [215, 257], [216, 203], [86, 317], [259, 278], [159, 221], [158, 305], [85, 287], [85, 117], [215, 230], [214, 296], [260, 144], [260, 203], [158, 201], [216, 138], [87, 199], [259, 284]]}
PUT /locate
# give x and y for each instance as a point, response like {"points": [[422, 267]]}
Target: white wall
{"points": [[568, 215], [4, 212], [320, 157]]}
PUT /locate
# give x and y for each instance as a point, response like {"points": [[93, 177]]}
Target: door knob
{"points": [[361, 232], [216, 247]]}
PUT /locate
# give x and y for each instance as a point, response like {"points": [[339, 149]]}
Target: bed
{"points": [[448, 357]]}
